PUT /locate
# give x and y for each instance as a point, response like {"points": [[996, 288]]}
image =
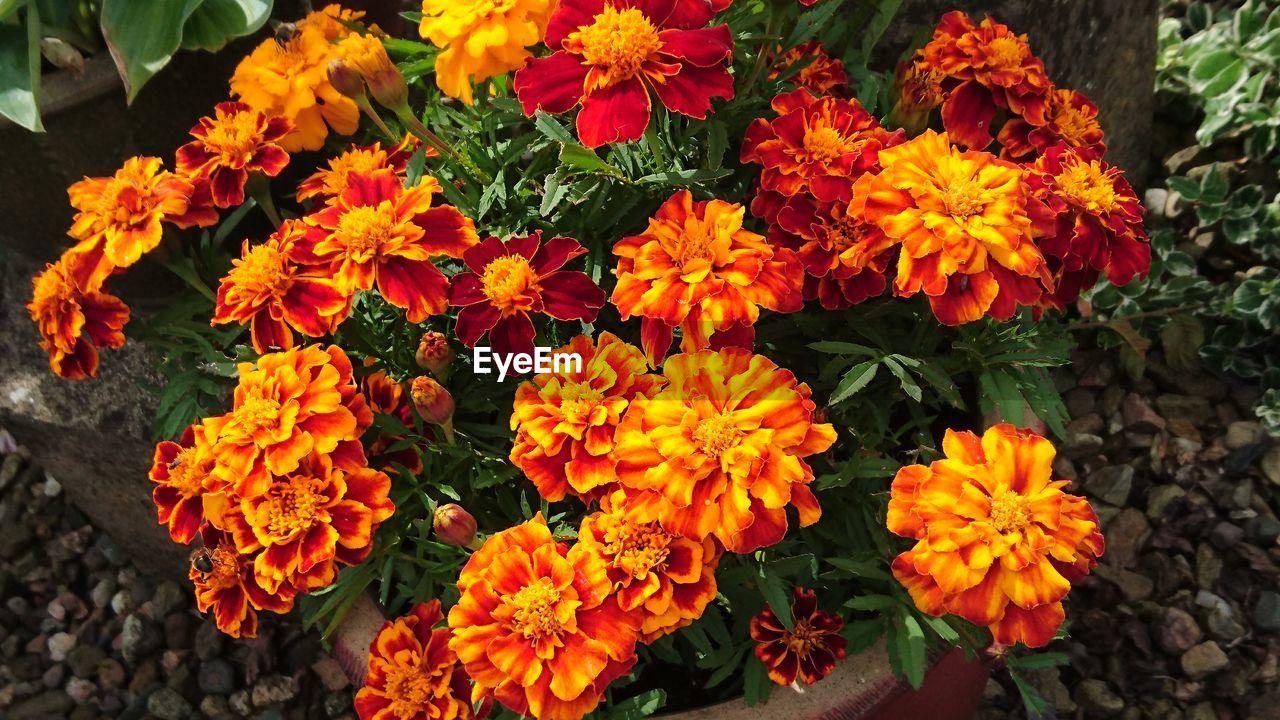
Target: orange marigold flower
{"points": [[720, 450], [413, 675], [480, 40], [118, 218], [985, 68], [307, 520], [236, 141], [807, 652], [1099, 228], [844, 256], [538, 625], [917, 89], [291, 404], [331, 180], [1070, 117], [820, 73], [73, 323], [274, 296], [183, 472], [667, 578], [698, 268], [379, 232], [564, 420], [288, 77], [330, 21], [999, 542], [816, 146], [384, 395], [967, 224], [225, 583]]}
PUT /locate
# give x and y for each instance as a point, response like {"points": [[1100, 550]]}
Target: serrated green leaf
{"points": [[857, 378]]}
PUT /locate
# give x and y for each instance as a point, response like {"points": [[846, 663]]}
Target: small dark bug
{"points": [[202, 561], [285, 32]]}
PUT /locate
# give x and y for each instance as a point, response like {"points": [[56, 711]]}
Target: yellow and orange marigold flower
{"points": [[538, 625], [720, 450], [268, 291], [667, 578], [564, 420], [377, 232], [413, 675], [998, 541], [182, 472], [967, 224], [844, 256], [696, 267], [225, 583], [1070, 118], [1099, 222], [821, 74], [816, 146], [809, 651], [985, 68], [74, 323], [307, 520], [292, 404], [234, 142], [481, 39], [331, 180]]}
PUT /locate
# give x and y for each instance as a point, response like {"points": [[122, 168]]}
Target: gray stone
{"points": [[1126, 534], [1266, 611], [1225, 535], [1111, 484], [240, 703], [1208, 566], [1189, 407], [59, 645], [1133, 585], [80, 690], [1243, 433], [215, 707], [167, 704], [216, 677], [273, 690], [1271, 465], [84, 660], [1201, 711], [1178, 162], [1160, 497], [1219, 617], [138, 638], [1203, 660], [1139, 415], [1050, 685], [167, 598], [1154, 200], [1176, 631], [1098, 699], [53, 703]]}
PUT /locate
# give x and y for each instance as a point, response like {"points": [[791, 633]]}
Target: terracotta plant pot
{"points": [[862, 687]]}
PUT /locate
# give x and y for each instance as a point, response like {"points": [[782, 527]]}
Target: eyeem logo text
{"points": [[484, 360]]}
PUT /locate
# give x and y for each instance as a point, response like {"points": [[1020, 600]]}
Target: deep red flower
{"points": [[235, 141], [844, 256], [1070, 117], [808, 651]]}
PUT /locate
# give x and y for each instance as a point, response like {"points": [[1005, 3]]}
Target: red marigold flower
{"points": [[998, 541], [610, 55], [1070, 118], [820, 73], [818, 146], [274, 295], [698, 268], [538, 625], [225, 583], [508, 280], [413, 675], [844, 256], [379, 232], [720, 449], [74, 323], [331, 180], [183, 472], [917, 89], [236, 141], [564, 420], [1099, 222], [967, 223], [807, 652]]}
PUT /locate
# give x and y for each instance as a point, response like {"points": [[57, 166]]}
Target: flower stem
{"points": [[191, 279], [771, 29], [367, 108], [259, 189], [421, 132]]}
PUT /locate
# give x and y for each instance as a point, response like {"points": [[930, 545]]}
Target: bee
{"points": [[284, 32], [175, 462], [202, 561]]}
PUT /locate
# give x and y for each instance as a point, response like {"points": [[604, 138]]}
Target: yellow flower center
{"points": [[1088, 185], [618, 42], [964, 198], [126, 200], [1010, 512], [695, 244], [824, 144], [716, 434], [234, 138], [507, 279], [534, 610], [409, 687], [365, 229], [577, 400], [258, 413], [294, 506], [1006, 51], [803, 639], [637, 549], [843, 234], [187, 472], [263, 271]]}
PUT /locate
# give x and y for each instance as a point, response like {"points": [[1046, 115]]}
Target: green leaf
{"points": [[20, 72], [1034, 703], [854, 380], [142, 37], [909, 649], [640, 706], [584, 158], [836, 347], [1038, 660], [776, 593], [1184, 186], [550, 127], [1215, 72], [909, 385], [216, 22], [1182, 337]]}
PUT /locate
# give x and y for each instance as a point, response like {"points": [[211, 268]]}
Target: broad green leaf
{"points": [[909, 648], [216, 22], [20, 72], [143, 36], [584, 158], [777, 593]]}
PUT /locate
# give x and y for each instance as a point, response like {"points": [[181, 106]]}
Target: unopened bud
{"points": [[454, 525], [434, 353], [389, 89], [345, 79], [433, 402]]}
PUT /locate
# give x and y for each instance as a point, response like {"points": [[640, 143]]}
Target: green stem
{"points": [[421, 132], [771, 30], [655, 145], [367, 108], [1136, 316], [191, 279], [259, 189]]}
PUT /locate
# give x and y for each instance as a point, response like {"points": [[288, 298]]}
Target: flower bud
{"points": [[434, 353], [454, 525], [433, 402], [345, 79], [389, 89]]}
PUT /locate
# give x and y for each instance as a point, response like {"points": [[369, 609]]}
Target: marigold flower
{"points": [[118, 218], [383, 394], [821, 75], [331, 22], [669, 579], [698, 268], [225, 583], [291, 404], [433, 352], [609, 56], [807, 652], [985, 68], [967, 224], [1099, 222], [331, 180], [999, 542], [565, 420], [236, 141], [538, 624], [413, 675], [479, 40], [506, 281], [73, 323], [274, 296], [182, 472], [719, 450], [308, 519], [844, 256], [1070, 117], [453, 525], [917, 89], [379, 232], [368, 57]]}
